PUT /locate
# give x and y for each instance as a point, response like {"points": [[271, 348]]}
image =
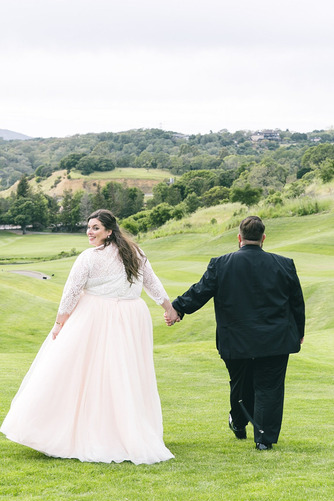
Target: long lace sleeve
{"points": [[152, 285], [74, 284]]}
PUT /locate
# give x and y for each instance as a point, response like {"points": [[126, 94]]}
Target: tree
{"points": [[145, 160], [98, 199], [23, 189], [179, 211], [268, 174], [298, 136], [86, 207], [4, 208], [174, 195], [104, 164], [87, 164], [133, 201], [247, 195], [21, 213], [53, 210], [70, 210], [160, 194], [43, 171], [40, 213], [326, 171], [28, 208], [123, 202], [192, 202], [92, 163], [160, 214], [71, 161], [226, 178], [114, 196], [301, 171], [215, 196], [315, 155]]}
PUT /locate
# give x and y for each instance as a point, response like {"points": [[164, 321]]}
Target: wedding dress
{"points": [[91, 393]]}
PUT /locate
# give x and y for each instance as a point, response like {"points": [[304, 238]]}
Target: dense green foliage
{"points": [[150, 149], [211, 169], [39, 211]]}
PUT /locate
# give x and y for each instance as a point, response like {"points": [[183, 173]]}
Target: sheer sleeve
{"points": [[152, 285], [74, 284]]}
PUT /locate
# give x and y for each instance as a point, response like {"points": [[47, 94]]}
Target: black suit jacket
{"points": [[258, 301]]}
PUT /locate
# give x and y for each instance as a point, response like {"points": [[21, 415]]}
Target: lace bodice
{"points": [[101, 272]]}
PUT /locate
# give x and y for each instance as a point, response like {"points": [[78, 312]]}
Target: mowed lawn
{"points": [[209, 464]]}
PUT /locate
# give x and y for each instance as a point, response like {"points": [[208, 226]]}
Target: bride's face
{"points": [[96, 232]]}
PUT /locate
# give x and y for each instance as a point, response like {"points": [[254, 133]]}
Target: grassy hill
{"points": [[193, 383], [145, 179], [155, 148], [179, 252]]}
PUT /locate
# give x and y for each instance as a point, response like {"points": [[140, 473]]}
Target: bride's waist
{"points": [[110, 296]]}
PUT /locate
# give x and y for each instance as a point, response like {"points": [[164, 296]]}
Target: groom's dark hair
{"points": [[251, 228]]}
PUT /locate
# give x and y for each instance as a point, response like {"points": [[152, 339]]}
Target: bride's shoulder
{"points": [[84, 255], [101, 252]]}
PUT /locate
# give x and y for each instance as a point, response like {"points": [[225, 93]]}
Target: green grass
{"points": [[34, 245], [125, 173], [210, 464], [116, 175]]}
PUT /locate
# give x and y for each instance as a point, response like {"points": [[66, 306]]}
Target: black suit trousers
{"points": [[259, 383]]}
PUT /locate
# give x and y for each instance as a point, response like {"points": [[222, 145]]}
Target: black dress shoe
{"points": [[263, 447], [238, 432]]}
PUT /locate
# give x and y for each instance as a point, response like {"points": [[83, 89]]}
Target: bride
{"points": [[91, 392]]}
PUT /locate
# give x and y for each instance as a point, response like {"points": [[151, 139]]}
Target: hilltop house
{"points": [[268, 135]]}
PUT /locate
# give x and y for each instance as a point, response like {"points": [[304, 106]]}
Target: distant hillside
{"points": [[58, 182], [9, 135], [153, 149]]}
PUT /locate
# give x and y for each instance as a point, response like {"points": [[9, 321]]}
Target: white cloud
{"points": [[73, 66], [166, 24]]}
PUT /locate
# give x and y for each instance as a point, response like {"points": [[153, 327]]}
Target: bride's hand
{"points": [[171, 317], [56, 329]]}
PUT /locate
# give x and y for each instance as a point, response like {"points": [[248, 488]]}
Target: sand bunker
{"points": [[33, 274]]}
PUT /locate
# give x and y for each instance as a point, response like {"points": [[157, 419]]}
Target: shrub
{"points": [[295, 189], [326, 171], [274, 199], [131, 226]]}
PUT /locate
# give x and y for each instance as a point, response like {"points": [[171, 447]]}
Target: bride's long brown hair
{"points": [[129, 251]]}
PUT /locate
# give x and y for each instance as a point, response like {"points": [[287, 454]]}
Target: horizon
{"points": [[27, 137]]}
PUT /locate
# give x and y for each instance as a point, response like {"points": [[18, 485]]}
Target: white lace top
{"points": [[101, 272]]}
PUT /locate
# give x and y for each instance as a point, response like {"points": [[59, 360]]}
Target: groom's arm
{"points": [[198, 294]]}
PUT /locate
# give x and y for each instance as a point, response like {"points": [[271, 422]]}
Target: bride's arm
{"points": [[154, 288], [73, 287]]}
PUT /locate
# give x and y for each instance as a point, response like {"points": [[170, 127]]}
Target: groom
{"points": [[260, 318]]}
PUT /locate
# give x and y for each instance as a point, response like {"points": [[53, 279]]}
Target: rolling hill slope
{"points": [[179, 259]]}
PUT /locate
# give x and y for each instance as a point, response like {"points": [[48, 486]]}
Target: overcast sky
{"points": [[78, 66]]}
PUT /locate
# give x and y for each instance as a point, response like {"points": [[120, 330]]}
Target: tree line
{"points": [[150, 149], [244, 180], [39, 211]]}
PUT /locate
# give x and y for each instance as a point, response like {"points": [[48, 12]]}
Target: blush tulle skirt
{"points": [[91, 394]]}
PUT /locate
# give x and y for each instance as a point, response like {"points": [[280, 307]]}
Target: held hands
{"points": [[171, 316]]}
